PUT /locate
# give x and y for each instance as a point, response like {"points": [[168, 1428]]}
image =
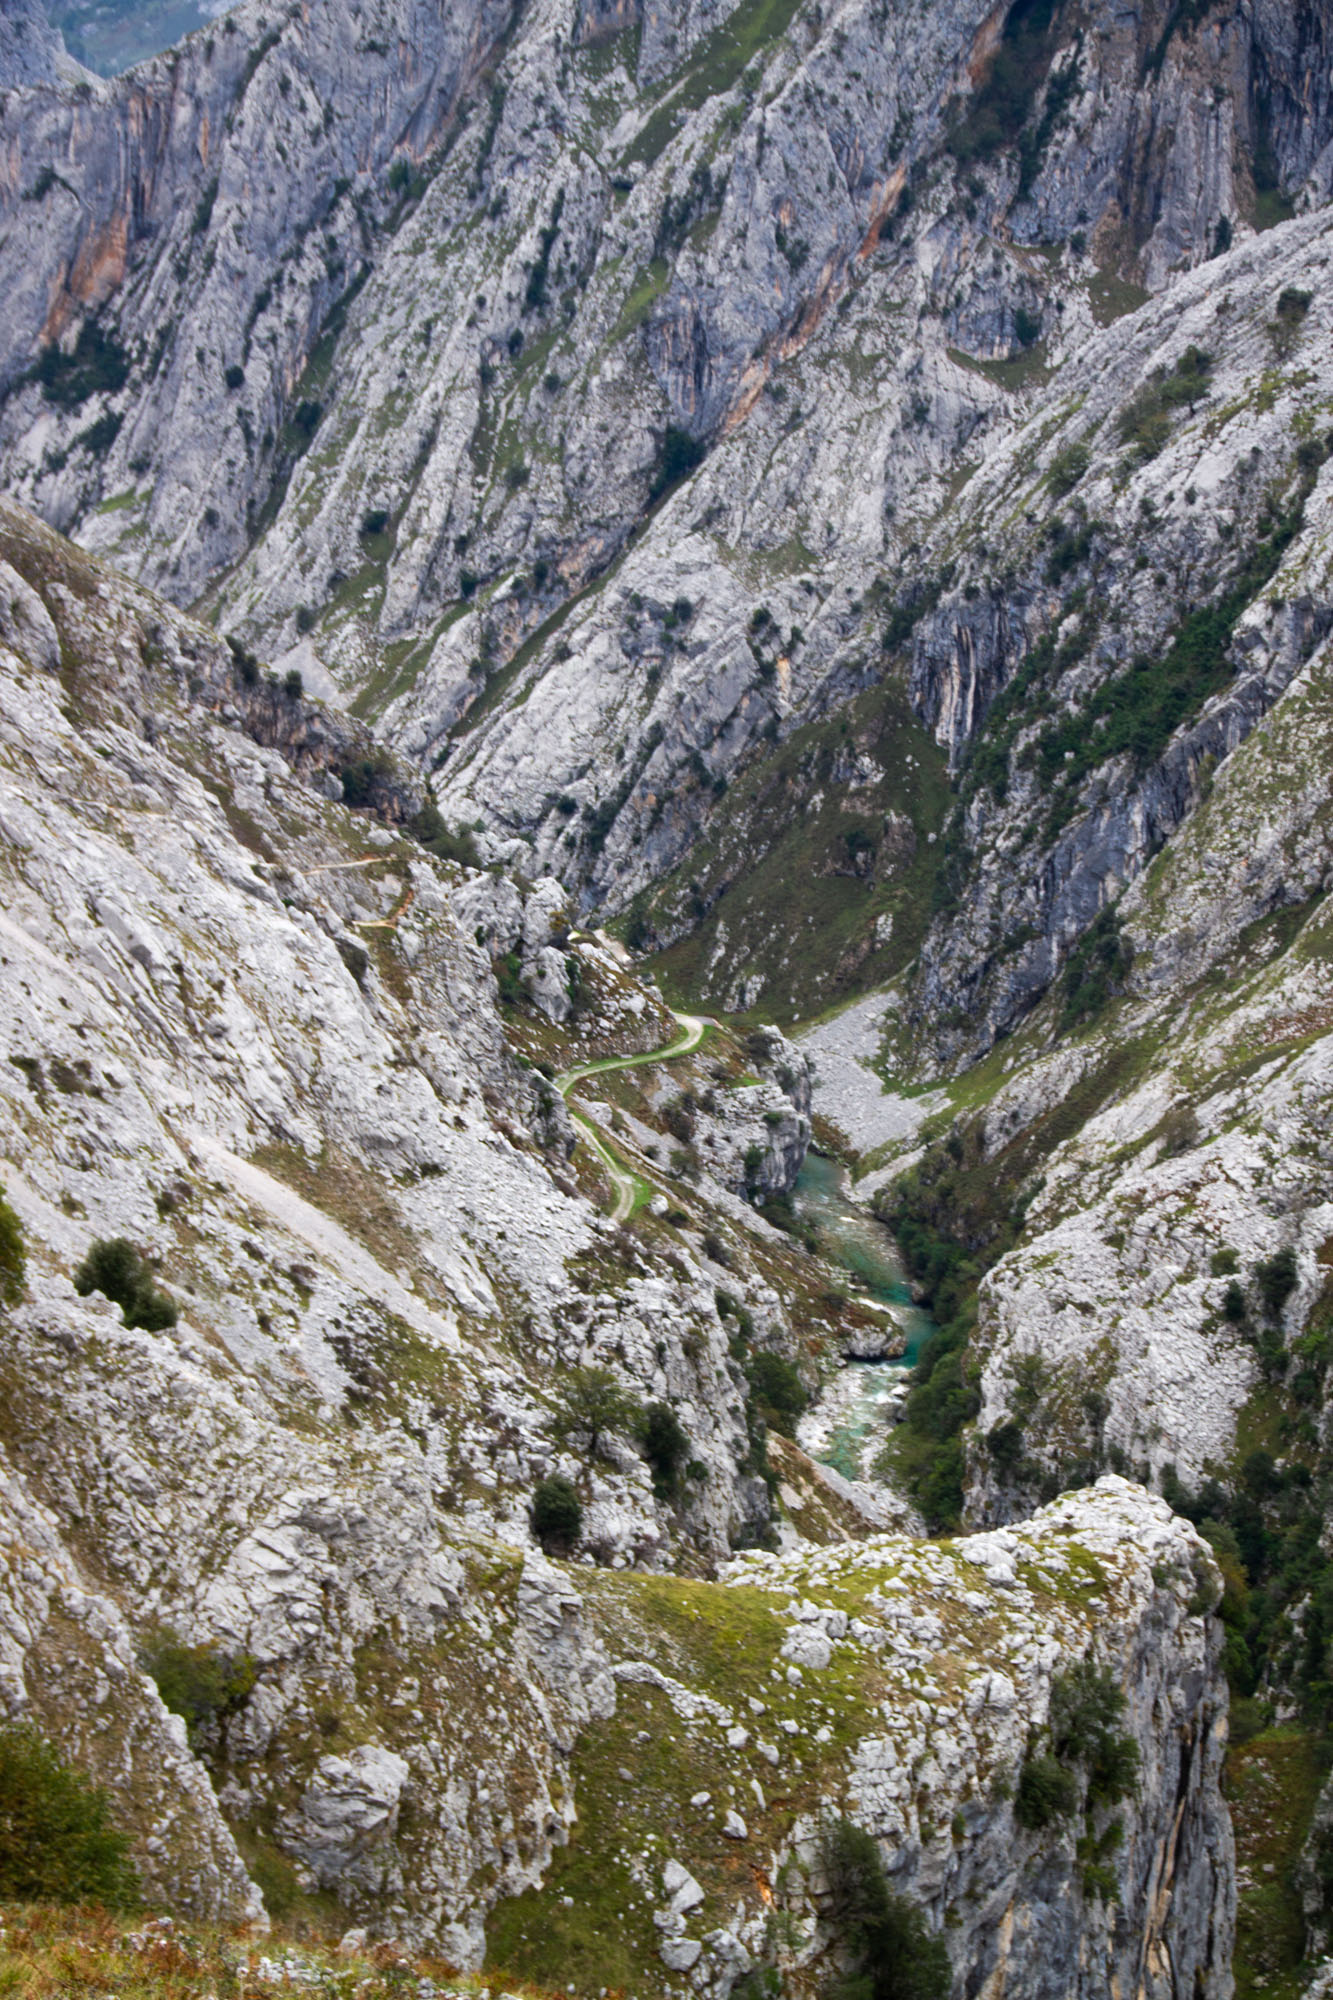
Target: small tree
{"points": [[57, 1843], [776, 1386], [590, 1405], [557, 1513], [1046, 1792], [892, 1952], [202, 1684], [1276, 1278], [666, 1446], [123, 1274]]}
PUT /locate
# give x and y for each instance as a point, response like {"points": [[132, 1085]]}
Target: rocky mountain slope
{"points": [[285, 1480], [415, 383], [842, 492]]}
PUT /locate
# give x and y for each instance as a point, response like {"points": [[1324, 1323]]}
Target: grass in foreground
{"points": [[57, 1953]]}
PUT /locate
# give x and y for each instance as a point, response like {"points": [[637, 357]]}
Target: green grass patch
{"points": [[1014, 374], [646, 290], [823, 893], [1112, 297], [1271, 1783], [716, 65]]}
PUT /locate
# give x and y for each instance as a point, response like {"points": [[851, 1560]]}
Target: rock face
{"points": [[31, 52], [410, 362], [247, 1031], [844, 490], [754, 1137], [258, 1035], [863, 1686]]}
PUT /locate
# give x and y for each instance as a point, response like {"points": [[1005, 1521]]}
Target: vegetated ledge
{"points": [[909, 1685]]}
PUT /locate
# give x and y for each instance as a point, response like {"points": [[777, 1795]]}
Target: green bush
{"points": [[1097, 969], [590, 1405], [1068, 467], [1145, 422], [98, 365], [534, 296], [1087, 1704], [1046, 1792], [98, 438], [1276, 1279], [890, 1949], [203, 1684], [57, 1841], [1004, 1442], [13, 1259], [994, 119], [429, 828], [123, 1274], [362, 776], [513, 987], [677, 457], [557, 1513], [666, 1446], [778, 1389]]}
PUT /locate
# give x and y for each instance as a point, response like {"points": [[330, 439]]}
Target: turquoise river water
{"points": [[851, 1418]]}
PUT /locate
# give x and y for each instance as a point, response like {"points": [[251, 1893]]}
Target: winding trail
{"points": [[626, 1185]]}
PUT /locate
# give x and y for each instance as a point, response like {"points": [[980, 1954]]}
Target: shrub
{"points": [[1067, 468], [1004, 1442], [203, 1684], [98, 365], [534, 296], [361, 776], [1087, 1703], [677, 457], [1145, 422], [590, 1404], [1284, 330], [1276, 1279], [13, 1260], [234, 376], [57, 1842], [1046, 1792], [203, 208], [98, 438], [375, 522], [557, 1513], [292, 684], [887, 1941], [666, 1446], [114, 1267], [778, 1389], [429, 828], [245, 662], [1097, 969]]}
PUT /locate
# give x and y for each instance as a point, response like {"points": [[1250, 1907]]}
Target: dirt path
{"points": [[626, 1185]]}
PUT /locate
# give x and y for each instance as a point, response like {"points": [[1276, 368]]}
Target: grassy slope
{"points": [[776, 868]]}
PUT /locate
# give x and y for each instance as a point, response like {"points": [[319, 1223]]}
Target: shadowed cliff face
{"points": [[502, 368]]}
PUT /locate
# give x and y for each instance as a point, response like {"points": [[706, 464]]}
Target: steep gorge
{"points": [[840, 491]]}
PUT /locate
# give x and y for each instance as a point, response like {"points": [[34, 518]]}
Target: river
{"points": [[850, 1420]]}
